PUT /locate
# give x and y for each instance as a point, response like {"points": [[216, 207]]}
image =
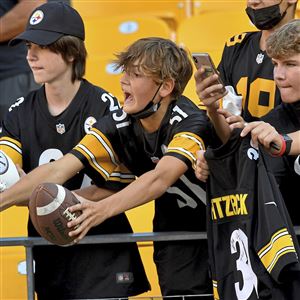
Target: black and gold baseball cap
{"points": [[49, 22]]}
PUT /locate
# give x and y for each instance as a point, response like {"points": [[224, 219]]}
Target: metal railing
{"points": [[30, 242]]}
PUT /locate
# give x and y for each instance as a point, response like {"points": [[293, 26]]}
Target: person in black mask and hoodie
{"points": [[245, 64]]}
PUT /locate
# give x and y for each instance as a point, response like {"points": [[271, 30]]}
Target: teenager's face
{"points": [[138, 90], [287, 77], [47, 66]]}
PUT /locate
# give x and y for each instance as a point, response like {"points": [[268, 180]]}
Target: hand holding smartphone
{"points": [[204, 60]]}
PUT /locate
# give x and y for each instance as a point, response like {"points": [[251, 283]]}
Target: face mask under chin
{"points": [[265, 18]]}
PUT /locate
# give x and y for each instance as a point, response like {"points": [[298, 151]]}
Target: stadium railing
{"points": [[29, 243]]}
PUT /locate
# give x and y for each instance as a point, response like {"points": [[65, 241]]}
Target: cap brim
{"points": [[39, 37]]}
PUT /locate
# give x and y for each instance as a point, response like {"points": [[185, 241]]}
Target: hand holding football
{"points": [[49, 212]]}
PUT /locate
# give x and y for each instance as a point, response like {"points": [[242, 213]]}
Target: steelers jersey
{"points": [[253, 249], [250, 71], [120, 138], [31, 136]]}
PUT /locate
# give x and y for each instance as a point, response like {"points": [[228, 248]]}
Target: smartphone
{"points": [[204, 60]]}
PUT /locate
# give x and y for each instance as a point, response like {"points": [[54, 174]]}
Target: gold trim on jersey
{"points": [[280, 244], [122, 174], [12, 148], [215, 290], [96, 148], [236, 39], [186, 144]]}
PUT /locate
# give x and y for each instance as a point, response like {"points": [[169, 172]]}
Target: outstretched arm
{"points": [[57, 171], [147, 187]]}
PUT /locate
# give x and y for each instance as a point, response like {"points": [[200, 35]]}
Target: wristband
{"points": [[282, 149]]}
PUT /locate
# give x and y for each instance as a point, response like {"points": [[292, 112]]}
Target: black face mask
{"points": [[150, 108], [267, 17]]}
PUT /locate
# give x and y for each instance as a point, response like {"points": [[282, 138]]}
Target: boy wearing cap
{"points": [[45, 125]]}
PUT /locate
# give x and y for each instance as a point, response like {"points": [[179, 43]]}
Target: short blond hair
{"points": [[159, 58], [285, 41]]}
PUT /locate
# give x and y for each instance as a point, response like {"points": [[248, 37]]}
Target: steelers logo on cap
{"points": [[36, 18]]}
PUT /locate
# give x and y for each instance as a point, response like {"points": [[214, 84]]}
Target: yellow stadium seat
{"points": [[171, 11], [202, 6], [112, 34], [100, 71], [208, 32]]}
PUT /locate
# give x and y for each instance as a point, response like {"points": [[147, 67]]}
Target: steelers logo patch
{"points": [[3, 163], [36, 18], [89, 122]]}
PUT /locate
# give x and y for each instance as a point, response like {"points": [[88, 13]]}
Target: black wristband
{"points": [[288, 142]]}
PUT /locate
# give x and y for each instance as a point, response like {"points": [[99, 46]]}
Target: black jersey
{"points": [[286, 118], [32, 136], [253, 249], [184, 130], [119, 138], [250, 71]]}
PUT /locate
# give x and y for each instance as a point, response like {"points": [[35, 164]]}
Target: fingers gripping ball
{"points": [[8, 172], [49, 212]]}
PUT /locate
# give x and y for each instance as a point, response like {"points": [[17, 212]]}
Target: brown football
{"points": [[49, 212]]}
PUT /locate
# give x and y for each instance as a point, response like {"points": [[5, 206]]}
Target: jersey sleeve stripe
{"points": [[105, 143], [96, 148], [12, 148], [92, 160], [186, 144], [122, 174], [281, 243]]}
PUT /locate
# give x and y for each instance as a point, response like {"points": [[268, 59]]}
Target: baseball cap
{"points": [[49, 22]]}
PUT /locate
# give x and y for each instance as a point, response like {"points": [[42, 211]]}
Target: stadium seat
{"points": [[171, 11], [208, 32], [112, 34], [100, 71], [202, 6]]}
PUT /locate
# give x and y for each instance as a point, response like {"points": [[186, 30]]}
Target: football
{"points": [[49, 212], [8, 172]]}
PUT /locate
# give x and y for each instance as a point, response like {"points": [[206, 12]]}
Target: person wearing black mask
{"points": [[245, 64]]}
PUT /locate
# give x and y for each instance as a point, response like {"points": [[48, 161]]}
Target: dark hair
{"points": [[71, 47], [159, 58]]}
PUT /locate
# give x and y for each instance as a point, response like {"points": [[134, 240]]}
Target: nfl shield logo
{"points": [[259, 58], [60, 128]]}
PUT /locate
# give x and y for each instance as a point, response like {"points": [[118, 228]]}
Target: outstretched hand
{"points": [[93, 213]]}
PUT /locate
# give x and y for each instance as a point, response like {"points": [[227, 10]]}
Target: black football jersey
{"points": [[286, 118], [250, 71], [32, 137], [253, 249], [120, 138]]}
